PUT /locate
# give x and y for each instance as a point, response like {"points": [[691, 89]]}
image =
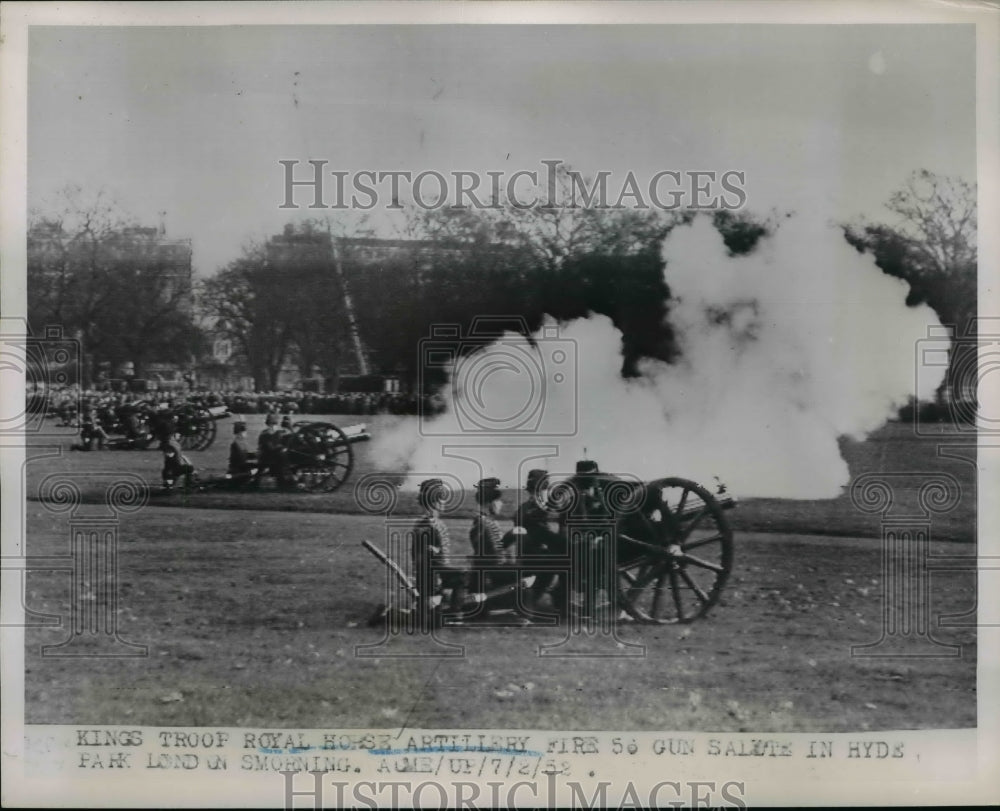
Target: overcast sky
{"points": [[193, 121]]}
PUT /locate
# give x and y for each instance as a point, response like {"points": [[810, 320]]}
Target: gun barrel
{"points": [[695, 505], [356, 433]]}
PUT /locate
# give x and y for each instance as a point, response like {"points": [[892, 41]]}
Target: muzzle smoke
{"points": [[783, 351]]}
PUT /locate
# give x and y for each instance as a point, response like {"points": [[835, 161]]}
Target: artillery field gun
{"points": [[660, 552]]}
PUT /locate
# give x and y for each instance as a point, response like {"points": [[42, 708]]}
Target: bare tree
{"points": [[122, 290], [247, 303], [931, 243]]}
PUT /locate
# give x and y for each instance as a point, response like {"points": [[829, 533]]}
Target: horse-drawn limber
{"points": [[666, 547]]}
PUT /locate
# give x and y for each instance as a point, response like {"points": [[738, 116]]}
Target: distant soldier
{"points": [[90, 432], [286, 431], [242, 461], [271, 451], [434, 561], [129, 413], [67, 412], [175, 463]]}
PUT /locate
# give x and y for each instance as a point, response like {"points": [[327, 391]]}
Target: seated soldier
{"points": [[242, 461], [486, 537], [434, 564], [175, 463], [539, 535], [128, 414], [271, 451], [591, 579]]}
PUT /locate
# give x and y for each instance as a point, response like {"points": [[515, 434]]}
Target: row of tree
{"points": [[304, 296], [122, 290]]}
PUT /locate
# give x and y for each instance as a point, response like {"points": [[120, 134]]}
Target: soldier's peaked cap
{"points": [[488, 489], [587, 466], [535, 476], [429, 484]]}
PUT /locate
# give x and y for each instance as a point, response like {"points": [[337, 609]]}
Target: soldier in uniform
{"points": [[487, 538], [271, 451], [242, 461], [588, 483], [128, 414], [175, 463], [434, 563], [537, 527], [91, 431]]}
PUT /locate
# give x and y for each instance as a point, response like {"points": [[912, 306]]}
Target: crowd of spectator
{"points": [[299, 402], [63, 402]]}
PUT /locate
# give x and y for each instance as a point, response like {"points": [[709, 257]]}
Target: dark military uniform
{"points": [[435, 562], [541, 536], [271, 453], [91, 430], [175, 464], [242, 462], [487, 538]]}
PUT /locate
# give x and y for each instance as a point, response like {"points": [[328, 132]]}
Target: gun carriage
{"points": [[319, 456], [139, 425], [668, 540]]}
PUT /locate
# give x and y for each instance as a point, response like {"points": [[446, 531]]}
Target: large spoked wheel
{"points": [[198, 429], [326, 454], [339, 457], [675, 556]]}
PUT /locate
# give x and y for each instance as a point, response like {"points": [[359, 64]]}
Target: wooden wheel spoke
{"points": [[702, 564], [658, 590], [647, 573], [682, 528], [701, 542], [693, 524], [675, 587], [694, 587]]}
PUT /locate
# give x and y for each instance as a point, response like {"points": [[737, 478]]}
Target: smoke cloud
{"points": [[783, 351]]}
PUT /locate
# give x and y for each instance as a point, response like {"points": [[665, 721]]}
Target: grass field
{"points": [[252, 617]]}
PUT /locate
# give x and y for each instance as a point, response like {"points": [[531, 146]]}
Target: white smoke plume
{"points": [[783, 351]]}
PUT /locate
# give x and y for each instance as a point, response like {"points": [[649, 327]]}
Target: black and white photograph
{"points": [[513, 394]]}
